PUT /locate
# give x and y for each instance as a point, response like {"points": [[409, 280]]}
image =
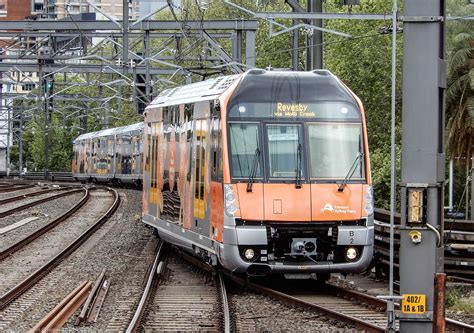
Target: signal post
{"points": [[423, 158]]}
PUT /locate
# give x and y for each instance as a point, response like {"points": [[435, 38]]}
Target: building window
{"points": [[28, 86], [3, 5]]}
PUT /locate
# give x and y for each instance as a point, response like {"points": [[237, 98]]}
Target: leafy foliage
{"points": [[460, 91], [364, 64]]}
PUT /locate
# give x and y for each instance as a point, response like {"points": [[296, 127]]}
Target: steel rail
{"points": [[13, 189], [57, 317], [369, 327], [27, 195], [40, 201], [220, 280], [379, 303], [460, 279], [137, 317], [90, 299], [36, 233], [225, 303], [33, 278]]}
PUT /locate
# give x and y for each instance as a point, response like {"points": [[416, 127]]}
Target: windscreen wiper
{"points": [[253, 172], [298, 166], [351, 172]]}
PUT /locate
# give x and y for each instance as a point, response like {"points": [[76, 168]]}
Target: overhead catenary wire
{"points": [[378, 34]]}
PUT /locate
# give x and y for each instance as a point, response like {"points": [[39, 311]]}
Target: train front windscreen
{"points": [[296, 141]]}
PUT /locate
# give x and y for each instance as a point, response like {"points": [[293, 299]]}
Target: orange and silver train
{"points": [[262, 172]]}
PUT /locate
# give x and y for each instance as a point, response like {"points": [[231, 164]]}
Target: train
{"points": [[112, 155], [265, 172]]}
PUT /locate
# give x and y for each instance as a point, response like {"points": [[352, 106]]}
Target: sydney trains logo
{"points": [[327, 207], [337, 209]]}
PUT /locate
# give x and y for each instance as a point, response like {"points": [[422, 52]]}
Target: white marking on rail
{"points": [[17, 224]]}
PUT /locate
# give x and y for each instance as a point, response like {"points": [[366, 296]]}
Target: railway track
{"points": [[9, 250], [354, 308], [451, 325], [19, 208], [15, 187], [13, 292], [10, 198], [322, 302], [178, 298]]}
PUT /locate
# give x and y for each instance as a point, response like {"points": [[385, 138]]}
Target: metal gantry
{"points": [[53, 57]]}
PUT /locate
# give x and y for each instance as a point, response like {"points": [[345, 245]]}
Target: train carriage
{"points": [[128, 150], [263, 172], [111, 155], [81, 162]]}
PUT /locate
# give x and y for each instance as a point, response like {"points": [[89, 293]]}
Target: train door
{"points": [[118, 154], [200, 169], [111, 156], [95, 143]]}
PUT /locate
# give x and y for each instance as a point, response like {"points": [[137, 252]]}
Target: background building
{"points": [[10, 10], [62, 8], [147, 6]]}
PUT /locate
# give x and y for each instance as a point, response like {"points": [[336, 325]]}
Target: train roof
{"points": [[258, 85], [194, 92], [110, 131]]}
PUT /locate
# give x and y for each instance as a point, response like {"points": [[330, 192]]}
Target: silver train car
{"points": [[111, 155]]}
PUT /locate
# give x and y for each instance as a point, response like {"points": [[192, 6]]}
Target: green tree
{"points": [[364, 64], [460, 92]]}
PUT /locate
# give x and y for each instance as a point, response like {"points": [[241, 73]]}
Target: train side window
{"points": [[219, 150], [147, 130], [215, 147], [188, 127], [216, 136], [200, 167], [153, 156], [166, 114]]}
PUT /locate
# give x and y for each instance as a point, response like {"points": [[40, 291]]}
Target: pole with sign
{"points": [[424, 80]]}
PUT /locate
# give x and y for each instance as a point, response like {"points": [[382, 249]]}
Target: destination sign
{"points": [[293, 110]]}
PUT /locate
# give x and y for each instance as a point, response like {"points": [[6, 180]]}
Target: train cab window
{"points": [[285, 150], [334, 148], [245, 150]]}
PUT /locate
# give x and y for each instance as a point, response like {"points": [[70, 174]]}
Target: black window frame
{"points": [[363, 180], [266, 152], [260, 144]]}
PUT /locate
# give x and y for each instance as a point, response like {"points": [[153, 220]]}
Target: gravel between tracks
{"points": [[258, 313], [26, 260], [123, 245], [370, 285], [44, 212]]}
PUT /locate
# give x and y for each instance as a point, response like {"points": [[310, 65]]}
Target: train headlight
{"points": [[230, 202], [249, 254], [231, 209], [369, 200], [230, 196], [351, 253]]}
